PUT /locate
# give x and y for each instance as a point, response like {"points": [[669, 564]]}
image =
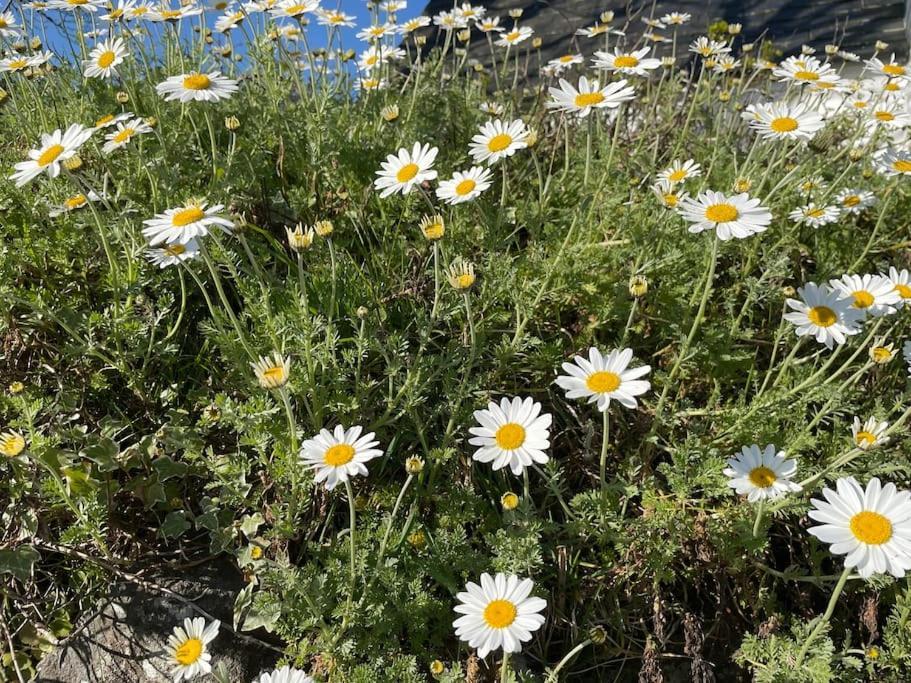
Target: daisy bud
{"points": [[879, 46], [464, 35], [74, 163], [232, 123], [509, 501], [209, 40], [323, 228], [868, 172], [735, 29], [724, 96], [16, 388], [11, 444], [747, 47], [710, 63], [298, 239], [19, 46], [667, 62], [272, 372], [35, 43], [3, 94], [122, 97], [361, 312], [420, 40], [742, 185], [597, 635], [807, 50], [515, 13], [788, 291], [638, 286], [226, 51], [882, 354], [151, 121], [212, 413], [417, 539], [414, 465], [536, 43], [461, 275], [433, 227], [606, 17], [436, 667], [478, 67], [831, 49], [390, 113]]}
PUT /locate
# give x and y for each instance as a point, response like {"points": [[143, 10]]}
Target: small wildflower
{"points": [[414, 465], [461, 275], [509, 500], [433, 227], [417, 539], [232, 123], [16, 388], [390, 113], [324, 228], [272, 372], [11, 444], [437, 667], [638, 286], [298, 238], [880, 355]]}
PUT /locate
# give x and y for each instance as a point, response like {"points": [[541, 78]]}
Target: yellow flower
{"points": [[273, 371], [323, 228], [437, 667], [509, 501], [433, 227], [11, 444], [298, 239], [638, 286], [16, 388], [461, 275]]}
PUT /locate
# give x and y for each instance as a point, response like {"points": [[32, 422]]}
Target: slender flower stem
{"points": [[333, 265], [760, 511], [395, 508], [552, 677], [821, 624], [504, 667], [436, 281], [353, 526], [470, 322], [605, 440], [292, 441]]}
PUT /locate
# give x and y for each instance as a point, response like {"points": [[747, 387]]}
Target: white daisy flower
{"points": [[272, 372], [377, 31], [633, 63], [871, 526], [197, 87], [668, 194], [558, 64], [464, 186], [869, 434], [185, 223], [284, 675], [589, 96], [888, 114], [108, 120], [890, 70], [8, 27], [873, 295], [761, 474], [187, 648], [517, 35], [76, 5], [854, 201], [497, 140], [339, 455], [676, 18], [229, 21], [124, 133], [370, 84], [490, 25], [706, 47], [51, 153], [602, 378], [679, 172], [414, 24], [174, 15], [513, 433], [498, 613], [75, 202], [782, 120], [806, 70], [901, 282], [449, 21], [814, 216], [172, 254], [823, 314], [401, 172], [22, 62], [104, 58], [730, 216], [893, 162], [326, 17]]}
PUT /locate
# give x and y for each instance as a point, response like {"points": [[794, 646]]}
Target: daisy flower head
{"points": [[198, 87], [517, 35], [869, 434], [284, 675], [185, 223], [433, 227], [299, 238], [872, 295], [124, 133], [870, 526], [20, 63], [55, 148], [187, 648], [377, 31], [497, 140], [668, 195], [11, 444], [633, 63], [75, 202], [676, 18], [338, 455], [369, 84], [326, 17], [823, 314], [893, 162], [76, 5], [589, 96], [460, 275], [761, 473], [401, 172], [785, 121], [891, 70], [806, 70], [814, 216], [229, 21], [8, 27], [680, 171], [513, 433], [559, 64], [706, 47], [854, 201], [464, 186], [450, 21], [172, 254], [414, 24], [272, 372], [165, 14], [108, 120], [490, 25], [499, 613], [600, 378], [901, 282], [104, 58], [888, 114], [730, 216], [294, 9], [470, 12]]}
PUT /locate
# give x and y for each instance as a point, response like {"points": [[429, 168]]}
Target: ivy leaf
{"points": [[19, 561], [168, 468], [175, 524]]}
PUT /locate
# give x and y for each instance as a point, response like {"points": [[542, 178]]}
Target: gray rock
{"points": [[126, 639]]}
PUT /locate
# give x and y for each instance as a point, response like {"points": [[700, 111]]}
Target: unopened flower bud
{"points": [[122, 97], [509, 501], [638, 286], [232, 123], [414, 465]]}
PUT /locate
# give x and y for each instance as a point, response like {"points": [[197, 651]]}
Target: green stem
{"points": [[824, 620], [504, 667], [760, 510], [353, 526], [605, 440], [292, 439], [552, 678]]}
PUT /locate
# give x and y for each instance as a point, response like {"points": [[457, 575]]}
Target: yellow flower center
{"points": [[721, 213], [902, 165], [885, 116], [465, 187], [465, 280], [3, 23], [762, 477], [106, 59], [510, 436], [407, 172], [124, 135], [603, 382], [880, 353], [892, 86], [500, 613], [871, 527], [512, 36], [625, 62], [850, 200], [371, 60], [893, 69], [860, 104], [75, 201], [806, 75], [903, 290], [17, 64], [12, 445], [339, 454], [670, 200], [566, 59], [186, 216], [174, 249], [824, 85], [499, 142], [197, 82], [865, 438], [677, 176], [588, 99], [783, 124], [256, 552], [107, 118], [189, 652], [815, 213], [274, 374], [50, 155], [822, 316], [116, 13], [862, 299], [170, 13]]}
